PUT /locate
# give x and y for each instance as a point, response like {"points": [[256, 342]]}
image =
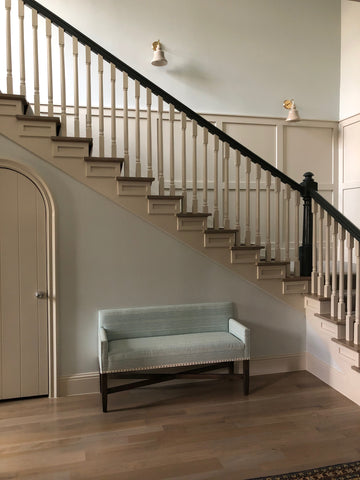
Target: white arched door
{"points": [[23, 298]]}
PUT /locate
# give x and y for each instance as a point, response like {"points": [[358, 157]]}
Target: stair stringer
{"points": [[73, 164]]}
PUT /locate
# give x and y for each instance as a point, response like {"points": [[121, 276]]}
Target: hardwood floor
{"points": [[181, 430]]}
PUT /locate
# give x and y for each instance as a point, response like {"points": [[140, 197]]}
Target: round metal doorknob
{"points": [[40, 294]]}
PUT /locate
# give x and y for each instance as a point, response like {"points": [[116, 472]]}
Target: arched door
{"points": [[23, 283]]}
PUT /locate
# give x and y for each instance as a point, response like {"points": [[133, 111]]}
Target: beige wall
{"points": [[225, 56]]}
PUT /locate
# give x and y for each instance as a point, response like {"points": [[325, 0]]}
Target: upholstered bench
{"points": [[133, 342]]}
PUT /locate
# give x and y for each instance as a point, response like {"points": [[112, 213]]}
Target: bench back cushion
{"points": [[166, 320]]}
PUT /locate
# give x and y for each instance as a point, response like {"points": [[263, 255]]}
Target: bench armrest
{"points": [[103, 349], [242, 333]]}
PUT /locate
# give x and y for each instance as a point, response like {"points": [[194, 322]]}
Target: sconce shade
{"points": [[159, 59], [293, 115]]}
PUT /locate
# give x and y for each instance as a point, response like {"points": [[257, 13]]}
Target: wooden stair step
{"points": [[164, 204], [295, 284], [219, 237], [105, 159], [13, 97], [103, 167], [192, 221], [134, 186], [165, 197], [34, 119], [249, 254], [273, 269], [329, 318], [80, 146], [347, 344], [135, 179]]}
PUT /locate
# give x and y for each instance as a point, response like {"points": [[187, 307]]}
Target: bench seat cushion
{"points": [[172, 350]]}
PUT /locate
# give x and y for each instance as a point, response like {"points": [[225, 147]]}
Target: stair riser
{"points": [[191, 224], [11, 107], [246, 257], [269, 272], [303, 286], [222, 240], [102, 169], [163, 207], [36, 129], [133, 189]]}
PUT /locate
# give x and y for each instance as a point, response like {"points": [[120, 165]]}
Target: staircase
{"points": [[174, 171]]}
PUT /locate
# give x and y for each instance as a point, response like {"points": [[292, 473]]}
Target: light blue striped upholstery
{"points": [[165, 320], [167, 336]]}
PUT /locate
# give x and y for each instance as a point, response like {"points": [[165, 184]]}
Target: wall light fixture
{"points": [[159, 59], [293, 115]]}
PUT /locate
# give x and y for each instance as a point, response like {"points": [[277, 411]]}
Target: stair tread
{"points": [[165, 197], [13, 96], [296, 279], [135, 179], [357, 369], [72, 139], [317, 297], [190, 214], [329, 318], [104, 159], [266, 263], [38, 118], [220, 230], [247, 247], [346, 343]]}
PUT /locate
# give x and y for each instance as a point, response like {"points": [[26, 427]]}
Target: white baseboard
{"points": [[346, 381], [85, 383]]}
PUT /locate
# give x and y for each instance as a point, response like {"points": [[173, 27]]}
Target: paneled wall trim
{"points": [[349, 168]]}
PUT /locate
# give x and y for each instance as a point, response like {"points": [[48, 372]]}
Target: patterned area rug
{"points": [[342, 471]]}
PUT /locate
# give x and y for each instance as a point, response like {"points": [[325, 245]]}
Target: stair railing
{"points": [[184, 152]]}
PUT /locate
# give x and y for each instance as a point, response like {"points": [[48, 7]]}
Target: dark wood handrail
{"points": [[145, 82], [339, 217]]}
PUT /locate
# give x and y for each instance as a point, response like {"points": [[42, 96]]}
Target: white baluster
{"points": [[160, 146], [268, 218], [9, 79], [172, 149], [21, 48], [113, 110], [49, 68], [349, 317], [314, 249], [76, 87], [149, 134], [237, 194], [183, 160], [357, 293], [88, 92], [137, 129], [334, 290], [226, 185], [194, 170], [205, 171], [216, 182], [277, 189], [62, 81], [36, 63], [297, 234], [341, 303], [320, 279], [247, 202], [287, 194], [327, 287], [101, 105], [126, 125], [258, 178]]}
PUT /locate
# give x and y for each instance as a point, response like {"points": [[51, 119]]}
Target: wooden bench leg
{"points": [[246, 372], [103, 389]]}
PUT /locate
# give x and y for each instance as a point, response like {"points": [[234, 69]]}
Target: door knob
{"points": [[40, 294]]}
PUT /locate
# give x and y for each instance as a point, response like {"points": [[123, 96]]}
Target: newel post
{"points": [[305, 251]]}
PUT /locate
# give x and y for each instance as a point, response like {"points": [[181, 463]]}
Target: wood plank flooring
{"points": [[191, 430]]}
